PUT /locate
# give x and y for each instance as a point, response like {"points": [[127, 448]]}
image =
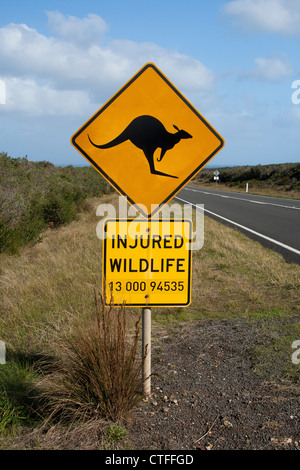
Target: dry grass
{"points": [[50, 281], [47, 292], [98, 371], [234, 276]]}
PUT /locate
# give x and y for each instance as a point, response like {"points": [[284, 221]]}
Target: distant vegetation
{"points": [[37, 195], [285, 176]]}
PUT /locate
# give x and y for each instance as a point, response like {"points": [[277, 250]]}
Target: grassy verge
{"points": [[37, 195], [47, 293], [282, 180], [253, 188]]}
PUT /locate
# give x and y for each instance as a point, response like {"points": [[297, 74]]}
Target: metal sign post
{"points": [[146, 350], [2, 352]]}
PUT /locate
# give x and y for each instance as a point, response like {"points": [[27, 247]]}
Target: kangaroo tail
{"points": [[118, 140]]}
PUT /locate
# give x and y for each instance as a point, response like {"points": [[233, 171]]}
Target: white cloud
{"points": [[270, 16], [189, 73], [25, 95], [69, 68], [82, 31], [270, 69]]}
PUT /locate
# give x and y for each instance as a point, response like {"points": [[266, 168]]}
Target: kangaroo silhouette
{"points": [[148, 134]]}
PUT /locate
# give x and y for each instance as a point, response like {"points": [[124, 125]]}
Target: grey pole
{"points": [[146, 348], [2, 352]]}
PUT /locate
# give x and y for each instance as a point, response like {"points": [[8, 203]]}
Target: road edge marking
{"points": [[276, 242], [243, 199]]}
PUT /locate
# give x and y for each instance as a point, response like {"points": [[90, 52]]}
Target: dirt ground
{"points": [[205, 395]]}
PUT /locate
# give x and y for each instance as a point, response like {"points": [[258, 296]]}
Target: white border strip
{"points": [[243, 227]]}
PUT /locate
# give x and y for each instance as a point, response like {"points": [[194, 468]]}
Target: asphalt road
{"points": [[274, 222]]}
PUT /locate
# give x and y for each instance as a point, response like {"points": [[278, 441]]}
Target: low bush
{"points": [[99, 372], [284, 176], [58, 209], [37, 195]]}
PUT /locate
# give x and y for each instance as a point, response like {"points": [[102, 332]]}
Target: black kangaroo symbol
{"points": [[148, 134]]}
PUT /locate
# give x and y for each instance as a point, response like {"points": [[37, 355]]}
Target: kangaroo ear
{"points": [[175, 127]]}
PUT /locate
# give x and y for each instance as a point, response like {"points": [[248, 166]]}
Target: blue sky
{"points": [[235, 61]]}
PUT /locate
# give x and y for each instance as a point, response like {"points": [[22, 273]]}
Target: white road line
{"points": [[242, 199], [243, 227]]}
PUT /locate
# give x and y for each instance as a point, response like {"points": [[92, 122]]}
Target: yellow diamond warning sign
{"points": [[148, 141], [147, 262]]}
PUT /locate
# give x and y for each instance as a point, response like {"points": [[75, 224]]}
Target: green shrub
{"points": [[115, 433], [285, 175], [6, 235], [58, 208], [27, 229], [34, 194]]}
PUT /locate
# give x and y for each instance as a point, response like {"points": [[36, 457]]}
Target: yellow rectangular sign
{"points": [[147, 263]]}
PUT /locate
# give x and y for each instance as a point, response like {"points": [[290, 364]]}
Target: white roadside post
{"points": [[146, 349], [216, 177]]}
